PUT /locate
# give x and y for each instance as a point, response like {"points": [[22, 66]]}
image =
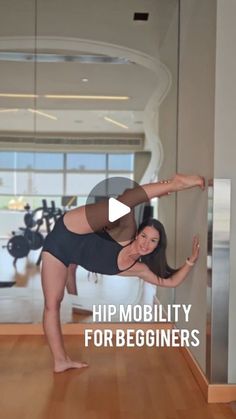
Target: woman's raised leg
{"points": [[93, 217], [54, 275]]}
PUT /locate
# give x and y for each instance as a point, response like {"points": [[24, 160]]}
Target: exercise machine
{"points": [[30, 237]]}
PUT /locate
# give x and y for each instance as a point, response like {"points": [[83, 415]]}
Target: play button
{"points": [[114, 207], [116, 210]]}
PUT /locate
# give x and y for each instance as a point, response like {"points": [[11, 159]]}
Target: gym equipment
{"points": [[34, 238], [29, 237], [29, 217], [18, 247], [49, 214], [69, 201], [7, 284]]}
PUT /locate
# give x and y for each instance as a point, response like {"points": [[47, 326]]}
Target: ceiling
{"points": [[71, 29]]}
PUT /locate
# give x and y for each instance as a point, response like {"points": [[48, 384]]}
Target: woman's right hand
{"points": [[195, 250]]}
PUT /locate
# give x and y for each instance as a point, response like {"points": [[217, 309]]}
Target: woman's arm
{"points": [[142, 271]]}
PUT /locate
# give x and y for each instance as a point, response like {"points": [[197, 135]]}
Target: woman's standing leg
{"points": [[54, 275]]}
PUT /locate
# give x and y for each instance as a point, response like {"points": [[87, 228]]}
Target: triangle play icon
{"points": [[116, 209]]}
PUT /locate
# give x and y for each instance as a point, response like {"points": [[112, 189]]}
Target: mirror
{"points": [[84, 96]]}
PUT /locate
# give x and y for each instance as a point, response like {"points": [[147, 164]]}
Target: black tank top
{"points": [[95, 252]]}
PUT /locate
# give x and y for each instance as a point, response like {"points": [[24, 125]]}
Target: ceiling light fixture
{"points": [[9, 110], [60, 58], [18, 95], [87, 97], [115, 122], [42, 114], [84, 97]]}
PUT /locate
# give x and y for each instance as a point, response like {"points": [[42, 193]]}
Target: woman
{"points": [[76, 241]]}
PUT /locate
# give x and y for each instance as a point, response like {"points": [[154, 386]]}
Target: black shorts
{"points": [[61, 242]]}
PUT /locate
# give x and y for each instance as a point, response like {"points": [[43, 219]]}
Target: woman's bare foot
{"points": [[67, 364], [181, 182]]}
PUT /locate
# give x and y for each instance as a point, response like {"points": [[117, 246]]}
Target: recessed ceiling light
{"points": [[18, 95], [42, 114], [115, 122], [9, 110], [87, 97], [84, 80]]}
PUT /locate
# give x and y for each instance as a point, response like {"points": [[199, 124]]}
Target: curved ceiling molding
{"points": [[75, 45], [153, 141], [54, 44]]}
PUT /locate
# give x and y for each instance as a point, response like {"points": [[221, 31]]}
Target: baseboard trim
{"points": [[213, 393], [196, 371], [221, 393], [77, 328]]}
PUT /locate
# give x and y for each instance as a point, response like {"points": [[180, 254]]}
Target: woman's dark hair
{"points": [[156, 261]]}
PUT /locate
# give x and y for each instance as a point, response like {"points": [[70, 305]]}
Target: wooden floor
{"points": [[137, 383]]}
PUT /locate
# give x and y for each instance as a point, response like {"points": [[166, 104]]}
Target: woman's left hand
{"points": [[195, 250]]}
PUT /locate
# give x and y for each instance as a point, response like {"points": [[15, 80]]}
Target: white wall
{"points": [[225, 141], [195, 152]]}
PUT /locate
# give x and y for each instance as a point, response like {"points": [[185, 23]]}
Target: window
{"points": [[7, 160], [48, 161], [33, 175], [86, 161], [24, 160], [120, 162], [48, 184], [81, 184], [7, 183]]}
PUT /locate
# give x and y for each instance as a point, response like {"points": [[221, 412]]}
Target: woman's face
{"points": [[147, 240]]}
